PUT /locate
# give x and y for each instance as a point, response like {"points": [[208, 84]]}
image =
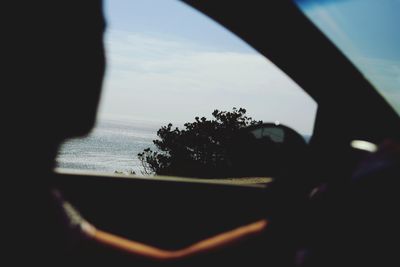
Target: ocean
{"points": [[111, 146]]}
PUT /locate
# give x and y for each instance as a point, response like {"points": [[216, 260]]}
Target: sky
{"points": [[166, 62], [368, 33]]}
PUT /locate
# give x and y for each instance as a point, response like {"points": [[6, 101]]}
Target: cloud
{"points": [[384, 74], [165, 79]]}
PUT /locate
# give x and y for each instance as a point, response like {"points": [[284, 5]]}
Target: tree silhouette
{"points": [[201, 149]]}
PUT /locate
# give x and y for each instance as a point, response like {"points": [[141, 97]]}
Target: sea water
{"points": [[111, 146]]}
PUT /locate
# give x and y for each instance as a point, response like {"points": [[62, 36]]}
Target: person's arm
{"points": [[154, 253], [76, 221]]}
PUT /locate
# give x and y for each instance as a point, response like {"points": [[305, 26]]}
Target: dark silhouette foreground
{"points": [[54, 60]]}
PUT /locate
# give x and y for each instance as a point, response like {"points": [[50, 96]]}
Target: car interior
{"points": [[333, 201]]}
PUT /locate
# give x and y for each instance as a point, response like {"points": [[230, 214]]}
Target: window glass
{"points": [[168, 63], [367, 31]]}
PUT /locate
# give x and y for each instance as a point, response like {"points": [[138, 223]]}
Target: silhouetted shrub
{"points": [[201, 149]]}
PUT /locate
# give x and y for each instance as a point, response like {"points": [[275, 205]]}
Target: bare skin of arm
{"points": [[154, 253]]}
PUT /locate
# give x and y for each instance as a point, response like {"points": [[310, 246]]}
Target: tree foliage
{"points": [[200, 149]]}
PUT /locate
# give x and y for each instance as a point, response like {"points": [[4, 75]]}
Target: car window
{"points": [[367, 32], [170, 66]]}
